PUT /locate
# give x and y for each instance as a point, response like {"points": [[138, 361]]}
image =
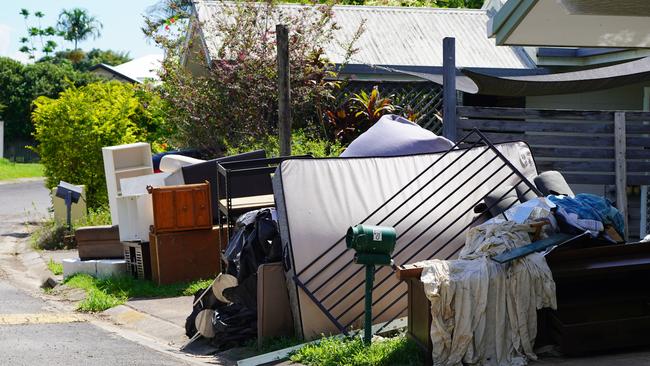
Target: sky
{"points": [[122, 21]]}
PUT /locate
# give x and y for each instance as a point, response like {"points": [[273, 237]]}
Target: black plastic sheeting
{"points": [[256, 241]]}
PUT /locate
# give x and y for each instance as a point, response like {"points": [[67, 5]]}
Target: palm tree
{"points": [[76, 25]]}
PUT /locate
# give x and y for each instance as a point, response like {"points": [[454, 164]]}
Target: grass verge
{"points": [[55, 268], [351, 351], [10, 170], [105, 293]]}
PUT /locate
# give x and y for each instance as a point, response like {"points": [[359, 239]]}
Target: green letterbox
{"points": [[374, 246]]}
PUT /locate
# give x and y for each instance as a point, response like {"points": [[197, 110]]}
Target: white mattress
{"points": [[318, 199]]}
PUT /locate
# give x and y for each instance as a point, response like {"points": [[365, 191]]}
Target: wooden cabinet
{"points": [[185, 256], [180, 208]]}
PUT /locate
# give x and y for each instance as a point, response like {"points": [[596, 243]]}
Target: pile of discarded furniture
{"points": [[472, 220]]}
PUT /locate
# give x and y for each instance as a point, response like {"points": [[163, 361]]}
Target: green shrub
{"points": [[95, 217], [72, 130], [301, 144]]}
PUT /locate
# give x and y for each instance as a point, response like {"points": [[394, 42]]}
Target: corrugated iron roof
{"points": [[400, 36]]}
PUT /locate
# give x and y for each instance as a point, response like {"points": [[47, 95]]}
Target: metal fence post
{"points": [[449, 88]]}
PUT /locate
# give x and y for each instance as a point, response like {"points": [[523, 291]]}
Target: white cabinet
{"points": [[124, 161], [136, 215], [138, 185]]}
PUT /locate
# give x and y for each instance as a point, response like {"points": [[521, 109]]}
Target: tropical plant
{"points": [[77, 25], [83, 61], [72, 129], [40, 34], [360, 111], [235, 99]]}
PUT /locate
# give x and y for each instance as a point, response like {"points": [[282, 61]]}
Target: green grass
{"points": [[105, 293], [56, 268], [352, 352], [9, 170]]}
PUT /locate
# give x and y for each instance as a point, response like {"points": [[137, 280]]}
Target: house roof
{"points": [[135, 71], [573, 23], [400, 36], [142, 68], [115, 73]]}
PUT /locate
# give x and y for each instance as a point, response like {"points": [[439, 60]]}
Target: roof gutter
{"points": [[508, 18]]}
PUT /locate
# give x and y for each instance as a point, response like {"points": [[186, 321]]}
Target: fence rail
{"points": [[580, 144]]}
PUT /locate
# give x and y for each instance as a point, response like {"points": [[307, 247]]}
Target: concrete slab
{"points": [[111, 267], [173, 309], [170, 333], [75, 265]]}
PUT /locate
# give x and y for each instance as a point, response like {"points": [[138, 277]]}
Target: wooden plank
{"points": [[581, 166], [406, 271], [537, 126], [637, 128], [638, 179], [637, 116], [637, 153], [637, 166], [284, 89], [449, 88], [570, 152], [621, 174], [638, 141], [527, 113], [549, 140]]}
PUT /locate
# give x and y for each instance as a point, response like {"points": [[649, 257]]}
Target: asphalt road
{"points": [[20, 202], [31, 333]]}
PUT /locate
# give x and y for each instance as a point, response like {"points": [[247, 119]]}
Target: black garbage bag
{"points": [[245, 293], [234, 325], [208, 301], [255, 241]]}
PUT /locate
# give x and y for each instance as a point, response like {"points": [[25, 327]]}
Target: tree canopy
{"points": [[77, 25], [21, 84]]}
